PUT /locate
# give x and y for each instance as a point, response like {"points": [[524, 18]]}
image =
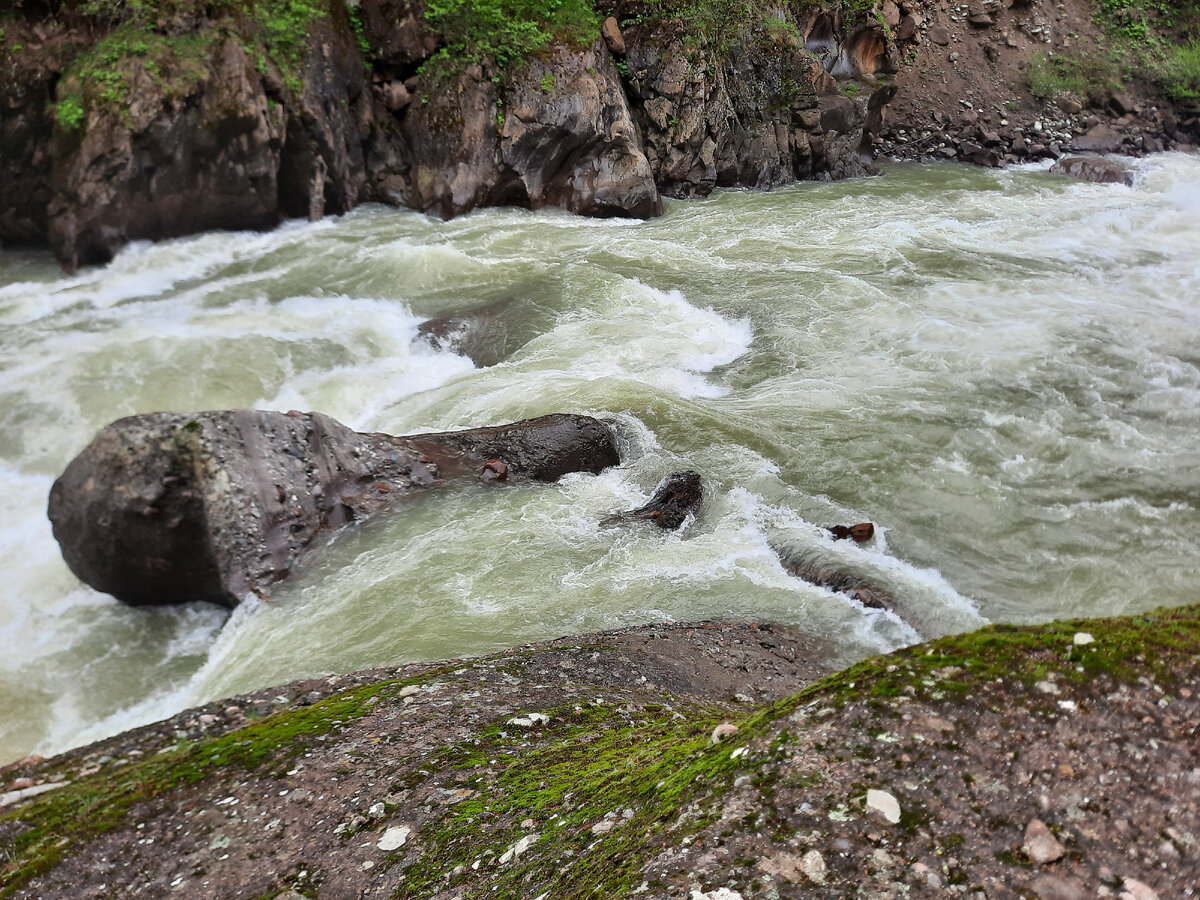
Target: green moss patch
{"points": [[173, 42], [100, 803], [638, 770], [1124, 649]]}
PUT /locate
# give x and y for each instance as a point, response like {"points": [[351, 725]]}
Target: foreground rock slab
{"points": [[421, 782], [170, 507]]}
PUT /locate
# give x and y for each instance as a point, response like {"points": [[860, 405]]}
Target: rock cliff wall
{"points": [[119, 129]]}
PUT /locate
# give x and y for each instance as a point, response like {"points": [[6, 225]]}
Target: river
{"points": [[1000, 369]]}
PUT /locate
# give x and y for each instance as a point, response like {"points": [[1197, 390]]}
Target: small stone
{"points": [[515, 851], [394, 838], [812, 864], [1058, 887], [724, 730], [718, 894], [1040, 845], [409, 689], [604, 826], [1137, 890], [376, 811], [1046, 687], [884, 803], [939, 34], [1082, 638], [529, 720]]}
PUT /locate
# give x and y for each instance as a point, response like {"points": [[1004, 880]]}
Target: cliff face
{"points": [[118, 129]]}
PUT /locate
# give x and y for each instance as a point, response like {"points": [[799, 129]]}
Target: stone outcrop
{"points": [[557, 133], [766, 114], [195, 124], [168, 507]]}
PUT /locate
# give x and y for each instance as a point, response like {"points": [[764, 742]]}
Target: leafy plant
{"points": [[508, 31], [69, 112]]}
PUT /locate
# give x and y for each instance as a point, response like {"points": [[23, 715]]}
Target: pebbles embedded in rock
{"points": [[1137, 890], [394, 838], [1040, 845], [812, 864], [724, 730], [884, 803], [515, 851], [529, 720]]}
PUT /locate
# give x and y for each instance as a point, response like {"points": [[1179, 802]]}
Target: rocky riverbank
{"points": [[127, 121], [707, 761]]}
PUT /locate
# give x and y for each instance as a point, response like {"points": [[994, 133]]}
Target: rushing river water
{"points": [[1000, 369]]}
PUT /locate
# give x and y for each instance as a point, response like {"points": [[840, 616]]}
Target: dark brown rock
{"points": [[169, 508], [1090, 168], [823, 576], [611, 32], [939, 34], [1121, 102], [859, 533], [677, 496], [910, 27]]}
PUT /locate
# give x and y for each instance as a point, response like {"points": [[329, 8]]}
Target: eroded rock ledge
{"points": [[696, 761]]}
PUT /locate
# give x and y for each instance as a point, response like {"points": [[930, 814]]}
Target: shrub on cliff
{"points": [[508, 30]]}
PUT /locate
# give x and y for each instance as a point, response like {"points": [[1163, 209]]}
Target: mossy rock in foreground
{"points": [[604, 784]]}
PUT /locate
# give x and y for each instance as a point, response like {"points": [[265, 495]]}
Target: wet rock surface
{"points": [[170, 507], [1100, 171], [594, 764], [676, 497]]}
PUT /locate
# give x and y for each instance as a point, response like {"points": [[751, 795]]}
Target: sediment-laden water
{"points": [[1000, 369]]}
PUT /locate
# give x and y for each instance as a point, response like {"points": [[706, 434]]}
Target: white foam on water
{"points": [[643, 334]]}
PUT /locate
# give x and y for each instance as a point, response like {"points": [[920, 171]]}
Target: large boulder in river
{"points": [[169, 507]]}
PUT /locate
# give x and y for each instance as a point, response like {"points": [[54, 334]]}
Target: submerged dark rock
{"points": [[1095, 169], [677, 496], [823, 576], [168, 507]]}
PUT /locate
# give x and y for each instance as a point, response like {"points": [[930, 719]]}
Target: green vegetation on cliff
{"points": [[171, 43], [508, 30], [1157, 41]]}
